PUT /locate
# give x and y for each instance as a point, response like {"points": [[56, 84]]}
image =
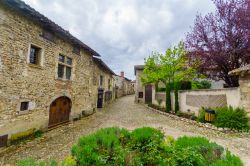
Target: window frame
{"points": [[40, 56], [30, 107], [101, 81], [65, 66]]}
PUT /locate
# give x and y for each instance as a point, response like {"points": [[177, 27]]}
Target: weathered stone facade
{"points": [[139, 87], [101, 71], [244, 82], [124, 86], [38, 84]]}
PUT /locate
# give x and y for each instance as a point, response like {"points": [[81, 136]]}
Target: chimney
{"points": [[122, 73]]}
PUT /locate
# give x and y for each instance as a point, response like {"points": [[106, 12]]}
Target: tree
{"points": [[221, 40], [170, 68]]}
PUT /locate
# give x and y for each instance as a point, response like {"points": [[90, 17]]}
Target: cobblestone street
{"points": [[56, 144]]}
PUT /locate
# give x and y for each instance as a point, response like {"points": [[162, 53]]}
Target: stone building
{"points": [[103, 83], [143, 93], [46, 74], [244, 82], [124, 86]]}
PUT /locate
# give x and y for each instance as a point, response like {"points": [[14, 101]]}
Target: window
{"points": [[101, 81], [64, 69], [109, 84], [76, 50], [48, 35], [140, 94], [24, 106], [35, 55]]}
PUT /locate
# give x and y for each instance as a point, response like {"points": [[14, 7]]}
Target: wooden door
{"points": [[100, 98], [59, 111], [148, 94]]}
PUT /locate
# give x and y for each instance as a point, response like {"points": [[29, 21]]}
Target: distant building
{"points": [[143, 93], [124, 86]]}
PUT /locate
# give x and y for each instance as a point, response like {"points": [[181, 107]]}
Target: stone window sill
{"points": [[35, 66], [63, 80], [23, 112]]}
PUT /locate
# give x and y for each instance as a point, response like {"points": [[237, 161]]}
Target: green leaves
{"points": [[170, 67]]}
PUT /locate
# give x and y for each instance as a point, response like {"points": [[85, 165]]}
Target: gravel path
{"points": [[56, 144]]}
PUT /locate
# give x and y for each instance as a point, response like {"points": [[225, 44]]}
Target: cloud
{"points": [[125, 32]]}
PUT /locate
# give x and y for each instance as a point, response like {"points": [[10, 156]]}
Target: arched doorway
{"points": [[59, 111]]}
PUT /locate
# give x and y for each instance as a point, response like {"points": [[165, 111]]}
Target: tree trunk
{"points": [[176, 96], [168, 97]]}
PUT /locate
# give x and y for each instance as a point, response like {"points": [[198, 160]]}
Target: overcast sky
{"points": [[124, 32]]}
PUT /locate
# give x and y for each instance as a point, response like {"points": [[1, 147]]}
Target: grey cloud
{"points": [[124, 32]]}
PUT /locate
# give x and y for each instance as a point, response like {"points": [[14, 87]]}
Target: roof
{"points": [[103, 65], [239, 70], [138, 67], [33, 15]]}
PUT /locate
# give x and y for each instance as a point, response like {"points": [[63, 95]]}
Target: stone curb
{"points": [[205, 125]]}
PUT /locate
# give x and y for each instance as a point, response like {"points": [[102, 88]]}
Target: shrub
{"points": [[27, 162], [143, 146], [69, 161], [228, 160], [201, 115], [147, 142], [185, 157], [203, 84], [228, 117], [210, 151], [103, 147]]}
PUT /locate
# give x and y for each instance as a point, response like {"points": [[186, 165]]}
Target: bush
{"points": [[147, 142], [210, 151], [103, 147], [228, 117], [143, 146], [201, 115], [228, 160], [69, 161], [203, 84]]}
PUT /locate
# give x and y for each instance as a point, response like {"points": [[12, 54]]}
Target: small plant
{"points": [[201, 115], [27, 162], [210, 151], [203, 84], [32, 162], [69, 161], [228, 117], [38, 134]]}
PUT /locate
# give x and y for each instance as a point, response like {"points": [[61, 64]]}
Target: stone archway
{"points": [[59, 111]]}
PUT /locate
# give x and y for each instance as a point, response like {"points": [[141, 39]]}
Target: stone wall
{"points": [[21, 81], [193, 100], [97, 72], [244, 82]]}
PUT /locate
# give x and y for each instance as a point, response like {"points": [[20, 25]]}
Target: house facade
{"points": [[124, 86], [103, 83], [46, 74]]}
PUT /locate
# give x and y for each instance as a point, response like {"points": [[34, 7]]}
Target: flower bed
{"points": [[196, 122]]}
